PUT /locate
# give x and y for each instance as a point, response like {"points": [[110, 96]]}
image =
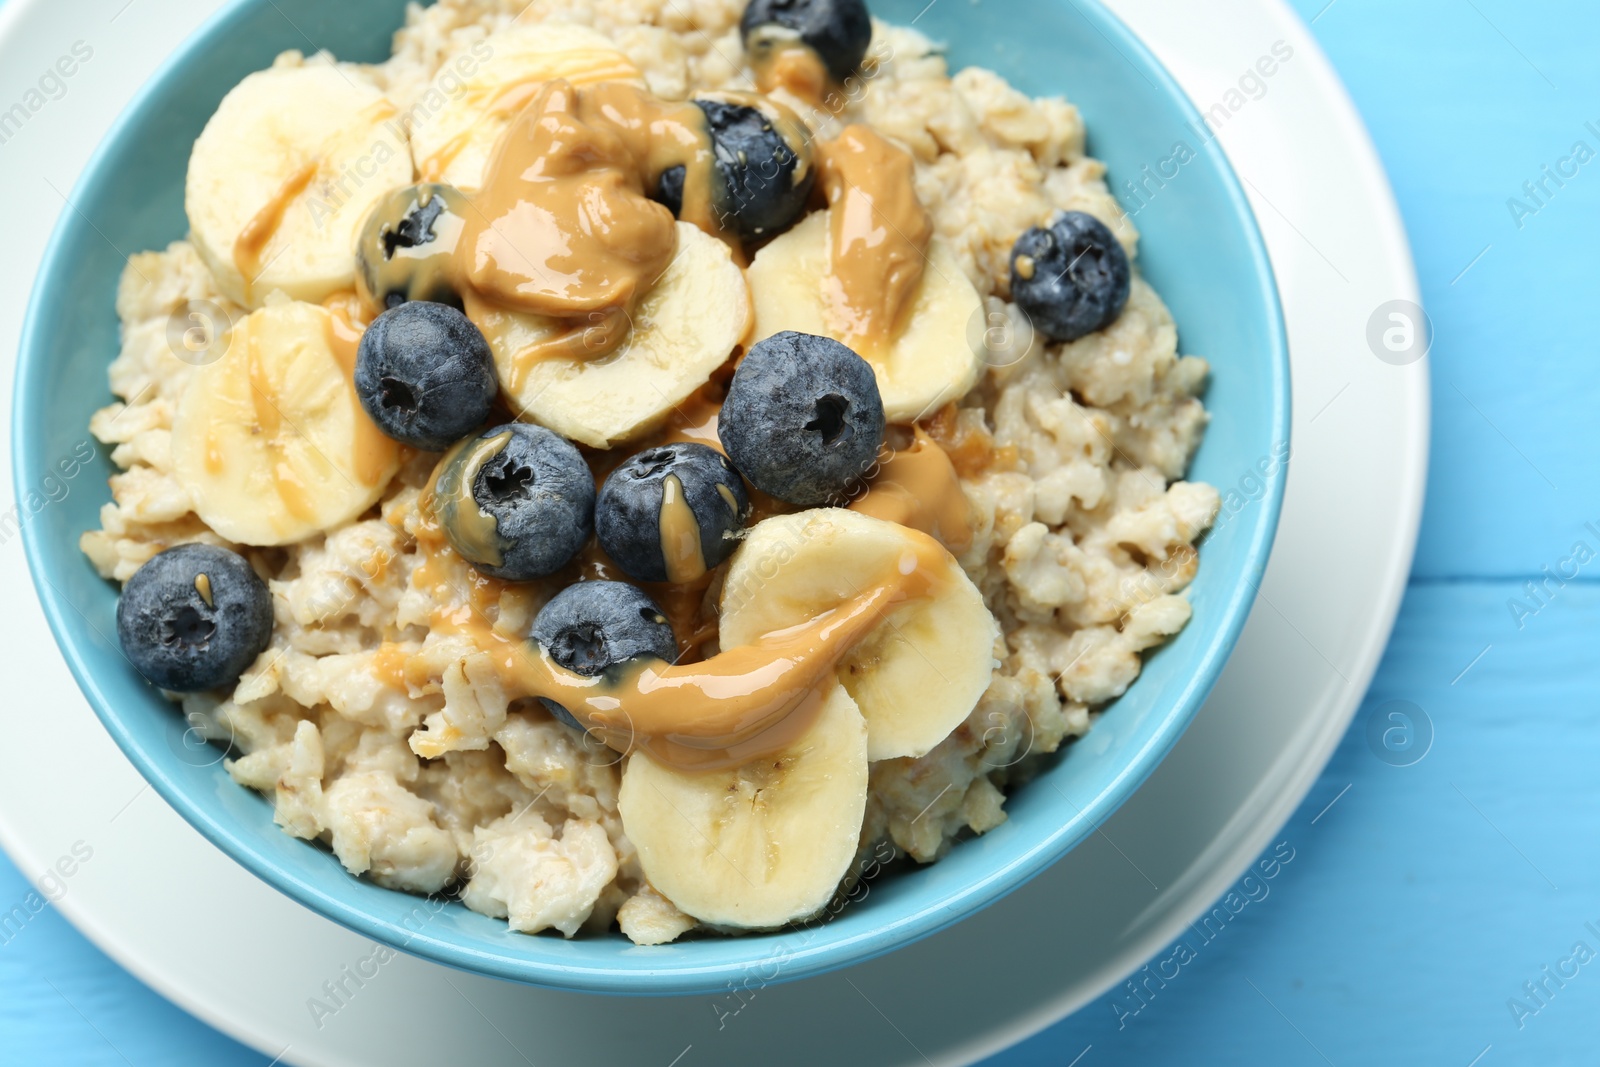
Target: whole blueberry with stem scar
{"points": [[1072, 277], [517, 501], [194, 617], [803, 419], [595, 627]]}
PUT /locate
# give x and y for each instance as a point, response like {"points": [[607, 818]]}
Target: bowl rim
{"points": [[678, 978]]}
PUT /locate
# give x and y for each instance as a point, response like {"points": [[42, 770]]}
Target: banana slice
{"points": [[271, 441], [684, 328], [283, 176], [759, 845], [920, 672], [502, 73], [930, 363]]}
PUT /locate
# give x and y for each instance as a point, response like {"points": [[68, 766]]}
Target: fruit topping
{"points": [[517, 501], [408, 247], [1072, 277], [839, 31], [671, 513], [803, 420], [425, 375], [593, 627], [194, 617]]}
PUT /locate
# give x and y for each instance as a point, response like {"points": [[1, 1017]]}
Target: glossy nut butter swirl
{"points": [[564, 227]]}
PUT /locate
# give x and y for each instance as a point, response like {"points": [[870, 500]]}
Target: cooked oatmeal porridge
{"points": [[745, 454]]}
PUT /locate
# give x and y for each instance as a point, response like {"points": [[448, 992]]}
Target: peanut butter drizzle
{"points": [[918, 487], [247, 247], [202, 585], [680, 534], [580, 67], [476, 533], [791, 65], [880, 234], [695, 420], [389, 665], [372, 451], [971, 451], [269, 420], [563, 228], [741, 704]]}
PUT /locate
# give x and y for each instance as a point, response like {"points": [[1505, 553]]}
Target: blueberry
{"points": [[764, 167], [517, 501], [803, 419], [194, 617], [683, 500], [837, 30], [425, 375], [1071, 278], [592, 627], [407, 249], [669, 189]]}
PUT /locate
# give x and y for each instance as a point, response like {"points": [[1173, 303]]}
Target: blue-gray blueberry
{"points": [[685, 489], [593, 627], [517, 501], [194, 617], [425, 375], [1072, 277], [803, 420], [407, 247], [839, 31]]}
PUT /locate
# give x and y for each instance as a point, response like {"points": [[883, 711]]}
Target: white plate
{"points": [[197, 927]]}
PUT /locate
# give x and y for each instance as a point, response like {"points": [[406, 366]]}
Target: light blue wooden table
{"points": [[1422, 904]]}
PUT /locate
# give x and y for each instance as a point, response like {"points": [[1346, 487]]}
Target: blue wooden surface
{"points": [[1421, 902]]}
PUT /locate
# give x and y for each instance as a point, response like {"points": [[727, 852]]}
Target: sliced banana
{"points": [[920, 672], [283, 176], [453, 144], [270, 440], [929, 364], [685, 327], [762, 844]]}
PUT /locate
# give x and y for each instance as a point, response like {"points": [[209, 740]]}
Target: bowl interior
{"points": [[1200, 250]]}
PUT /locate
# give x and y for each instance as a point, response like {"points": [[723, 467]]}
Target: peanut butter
{"points": [[741, 704], [564, 227], [880, 233], [918, 487], [475, 533], [202, 585], [791, 65], [972, 450], [579, 67], [247, 247], [680, 534], [269, 421], [372, 451]]}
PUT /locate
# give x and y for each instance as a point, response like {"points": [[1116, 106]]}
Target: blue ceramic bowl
{"points": [[1201, 251]]}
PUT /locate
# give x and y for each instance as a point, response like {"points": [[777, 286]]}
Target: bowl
{"points": [[1201, 250]]}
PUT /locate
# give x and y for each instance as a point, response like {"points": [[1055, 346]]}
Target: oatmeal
{"points": [[861, 439]]}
